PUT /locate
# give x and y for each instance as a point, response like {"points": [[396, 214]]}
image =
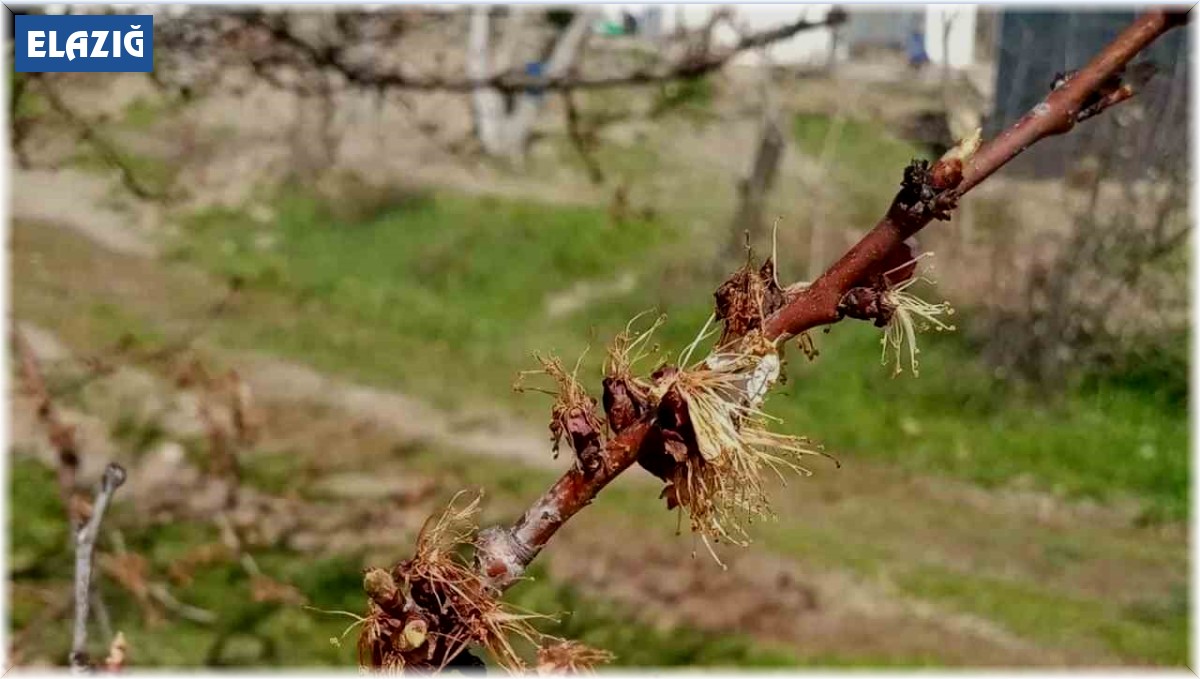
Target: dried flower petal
{"points": [[719, 479], [909, 315]]}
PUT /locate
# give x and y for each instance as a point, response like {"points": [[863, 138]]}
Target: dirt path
{"points": [[410, 418], [83, 201]]}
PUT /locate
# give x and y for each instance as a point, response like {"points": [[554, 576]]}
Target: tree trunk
{"points": [[754, 189], [487, 103]]}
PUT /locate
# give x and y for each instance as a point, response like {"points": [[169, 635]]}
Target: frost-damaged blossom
{"points": [[573, 415], [719, 440], [427, 611], [909, 315], [710, 441], [626, 395]]}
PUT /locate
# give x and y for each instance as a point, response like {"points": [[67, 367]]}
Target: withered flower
{"points": [[909, 315]]}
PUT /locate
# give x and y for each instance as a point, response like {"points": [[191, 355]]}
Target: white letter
{"points": [[55, 53], [98, 53], [134, 37], [36, 40], [116, 43], [76, 42]]}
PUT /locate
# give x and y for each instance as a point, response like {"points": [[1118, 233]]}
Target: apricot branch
{"points": [[670, 419], [930, 192], [927, 193]]}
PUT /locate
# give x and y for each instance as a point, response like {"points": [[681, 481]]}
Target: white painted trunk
{"points": [[562, 60], [504, 134], [487, 103]]}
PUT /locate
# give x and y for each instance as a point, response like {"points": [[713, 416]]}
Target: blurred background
{"points": [[287, 280]]}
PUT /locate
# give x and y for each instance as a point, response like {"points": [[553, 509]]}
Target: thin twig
{"points": [[160, 593], [102, 364], [85, 545], [583, 141]]}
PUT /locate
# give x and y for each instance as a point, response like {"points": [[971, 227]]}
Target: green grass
{"points": [[37, 525], [864, 151], [445, 295], [445, 285], [1153, 630], [692, 98], [958, 419], [1158, 630], [143, 113], [1139, 630], [31, 104]]}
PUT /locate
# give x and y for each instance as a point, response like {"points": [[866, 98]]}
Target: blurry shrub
{"points": [[1106, 301], [1153, 365], [559, 17], [1105, 298]]}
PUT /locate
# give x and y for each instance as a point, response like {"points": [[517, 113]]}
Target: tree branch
{"points": [[88, 133], [928, 192], [1090, 90], [691, 65], [85, 545], [581, 140]]}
